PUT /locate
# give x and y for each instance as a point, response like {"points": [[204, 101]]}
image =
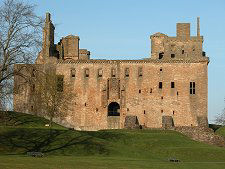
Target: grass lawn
{"points": [[93, 162], [65, 149], [221, 131]]}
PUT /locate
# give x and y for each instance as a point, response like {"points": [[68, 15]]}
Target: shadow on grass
{"points": [[66, 142], [9, 118]]}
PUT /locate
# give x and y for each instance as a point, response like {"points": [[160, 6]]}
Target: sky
{"points": [[120, 29]]}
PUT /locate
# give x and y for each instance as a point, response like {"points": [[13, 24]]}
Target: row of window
{"points": [[161, 54], [172, 84], [100, 72], [60, 80], [172, 55]]}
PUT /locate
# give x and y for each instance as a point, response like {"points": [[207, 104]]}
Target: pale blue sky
{"points": [[120, 29]]}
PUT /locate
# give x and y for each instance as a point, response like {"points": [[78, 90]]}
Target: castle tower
{"points": [[48, 37]]}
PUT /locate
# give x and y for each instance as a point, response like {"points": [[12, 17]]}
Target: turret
{"points": [[48, 37]]}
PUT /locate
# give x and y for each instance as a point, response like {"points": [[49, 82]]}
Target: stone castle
{"points": [[170, 88]]}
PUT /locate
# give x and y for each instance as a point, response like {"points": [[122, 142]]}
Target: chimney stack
{"points": [[198, 26]]}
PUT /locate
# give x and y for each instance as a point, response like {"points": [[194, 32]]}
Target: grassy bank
{"points": [[65, 148]]}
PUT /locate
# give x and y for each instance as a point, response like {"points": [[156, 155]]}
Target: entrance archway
{"points": [[114, 109]]}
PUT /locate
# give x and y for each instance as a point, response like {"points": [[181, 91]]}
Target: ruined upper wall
{"points": [[183, 46], [67, 47]]}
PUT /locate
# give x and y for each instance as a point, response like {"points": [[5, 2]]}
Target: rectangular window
{"points": [[126, 72], [33, 73], [172, 55], [172, 85], [100, 72], [192, 87], [86, 72], [113, 73], [160, 85], [59, 83], [33, 88], [140, 72], [73, 72]]}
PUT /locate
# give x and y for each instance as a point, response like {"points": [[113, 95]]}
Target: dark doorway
{"points": [[113, 109]]}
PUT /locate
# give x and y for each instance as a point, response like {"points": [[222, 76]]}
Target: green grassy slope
{"points": [[221, 131], [14, 119], [103, 149]]}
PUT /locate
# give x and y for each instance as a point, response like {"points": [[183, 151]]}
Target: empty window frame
{"points": [[192, 87], [33, 73], [151, 90], [182, 51], [172, 55], [86, 72], [60, 83], [203, 54], [140, 72], [33, 88], [73, 73], [126, 73], [172, 85], [161, 55], [113, 72], [100, 72], [160, 85]]}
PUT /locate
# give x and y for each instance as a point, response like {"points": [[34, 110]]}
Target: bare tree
{"points": [[20, 32], [51, 96], [220, 118]]}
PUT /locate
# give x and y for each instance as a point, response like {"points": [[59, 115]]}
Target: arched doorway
{"points": [[113, 109]]}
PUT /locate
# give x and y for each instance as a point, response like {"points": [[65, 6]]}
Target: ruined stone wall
{"points": [[172, 83], [137, 95]]}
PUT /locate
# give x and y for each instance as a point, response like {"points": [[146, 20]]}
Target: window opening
{"points": [[86, 72], [161, 55], [160, 85], [140, 72], [113, 73], [100, 72], [172, 85], [127, 72], [73, 72], [192, 87]]}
